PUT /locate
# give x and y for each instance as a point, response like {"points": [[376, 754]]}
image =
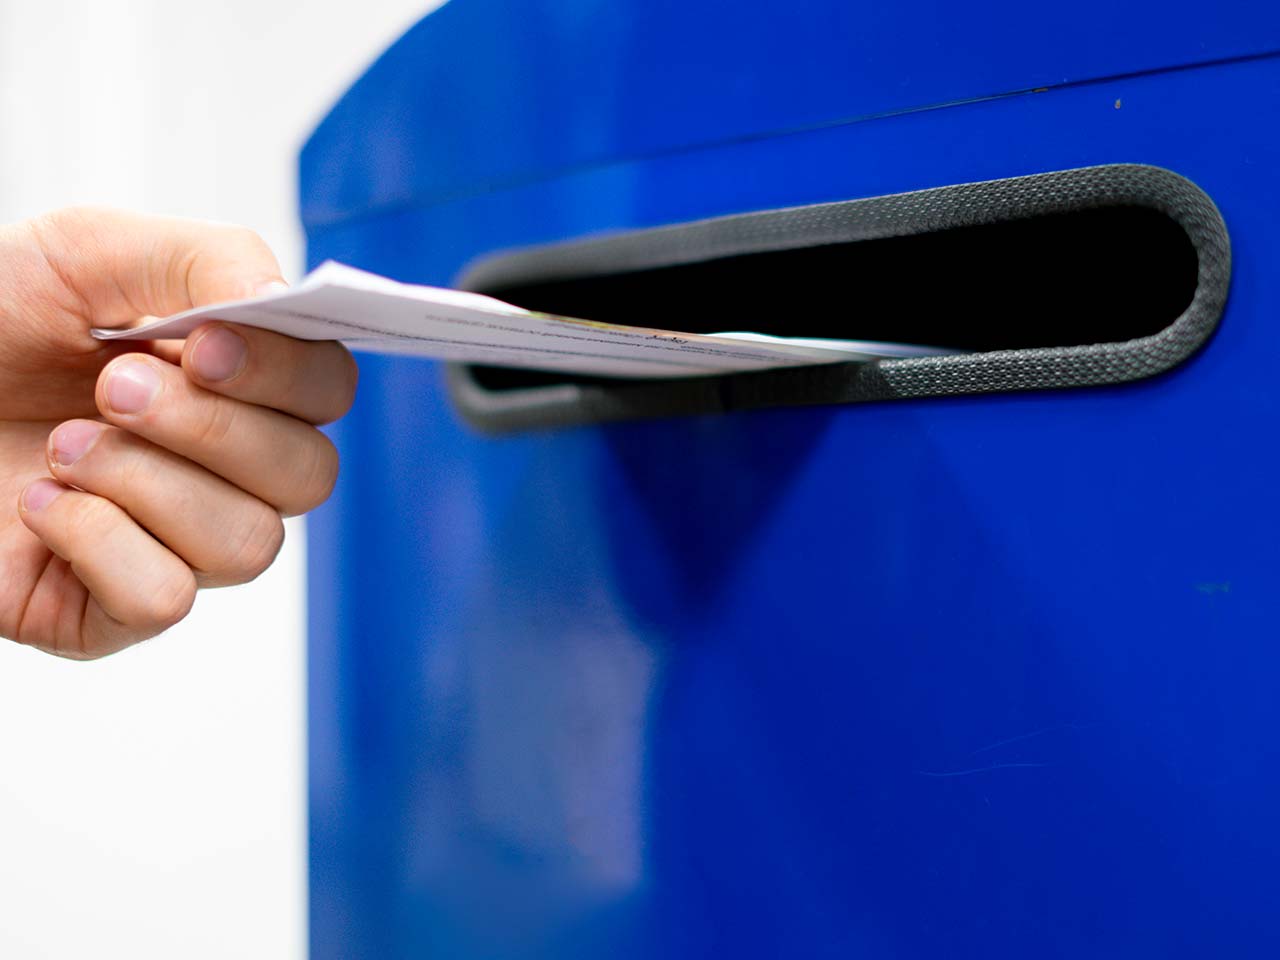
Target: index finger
{"points": [[314, 381]]}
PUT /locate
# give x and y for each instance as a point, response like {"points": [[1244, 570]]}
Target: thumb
{"points": [[123, 265]]}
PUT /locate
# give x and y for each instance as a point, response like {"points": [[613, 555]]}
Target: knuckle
{"points": [[52, 227], [215, 425], [80, 212], [250, 241], [319, 382], [82, 648], [248, 236], [124, 455], [133, 472], [89, 518], [257, 546], [169, 602], [318, 473], [71, 220]]}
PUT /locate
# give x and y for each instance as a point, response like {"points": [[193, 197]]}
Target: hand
{"points": [[137, 477]]}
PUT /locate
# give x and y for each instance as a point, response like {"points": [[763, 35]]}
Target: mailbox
{"points": [[964, 656]]}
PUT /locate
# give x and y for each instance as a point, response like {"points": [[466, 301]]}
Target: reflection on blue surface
{"points": [[984, 677]]}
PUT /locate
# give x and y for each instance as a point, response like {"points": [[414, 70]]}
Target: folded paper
{"points": [[375, 314]]}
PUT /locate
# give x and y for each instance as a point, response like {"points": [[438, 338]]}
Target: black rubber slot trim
{"points": [[1082, 277]]}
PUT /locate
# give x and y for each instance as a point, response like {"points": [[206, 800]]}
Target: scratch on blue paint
{"points": [[1035, 733], [965, 773]]}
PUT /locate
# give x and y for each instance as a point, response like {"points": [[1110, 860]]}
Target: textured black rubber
{"points": [[494, 401]]}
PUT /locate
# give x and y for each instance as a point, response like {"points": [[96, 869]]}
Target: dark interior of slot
{"points": [[1094, 276]]}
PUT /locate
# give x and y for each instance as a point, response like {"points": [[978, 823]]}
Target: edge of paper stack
{"points": [[373, 313]]}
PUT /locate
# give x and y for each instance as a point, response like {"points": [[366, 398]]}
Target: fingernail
{"points": [[40, 494], [219, 355], [72, 440], [131, 386], [270, 287]]}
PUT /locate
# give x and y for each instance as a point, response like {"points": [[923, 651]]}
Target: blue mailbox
{"points": [[962, 657]]}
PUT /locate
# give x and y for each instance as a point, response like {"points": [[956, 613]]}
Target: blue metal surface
{"points": [[486, 94], [986, 677]]}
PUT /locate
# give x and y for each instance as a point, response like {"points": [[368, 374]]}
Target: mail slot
{"points": [[1081, 277]]}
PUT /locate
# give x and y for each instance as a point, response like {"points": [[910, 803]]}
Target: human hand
{"points": [[137, 477]]}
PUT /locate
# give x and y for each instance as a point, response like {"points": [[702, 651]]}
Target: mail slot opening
{"points": [[1088, 276]]}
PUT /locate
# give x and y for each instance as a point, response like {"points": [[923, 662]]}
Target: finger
{"points": [[139, 588], [168, 350], [312, 380], [273, 456], [127, 264], [225, 535]]}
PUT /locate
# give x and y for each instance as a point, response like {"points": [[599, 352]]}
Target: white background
{"points": [[153, 804]]}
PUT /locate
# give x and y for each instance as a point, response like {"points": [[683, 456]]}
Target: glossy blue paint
{"points": [[982, 677], [485, 94]]}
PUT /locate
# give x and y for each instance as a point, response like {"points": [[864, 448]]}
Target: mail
{"points": [[372, 313]]}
